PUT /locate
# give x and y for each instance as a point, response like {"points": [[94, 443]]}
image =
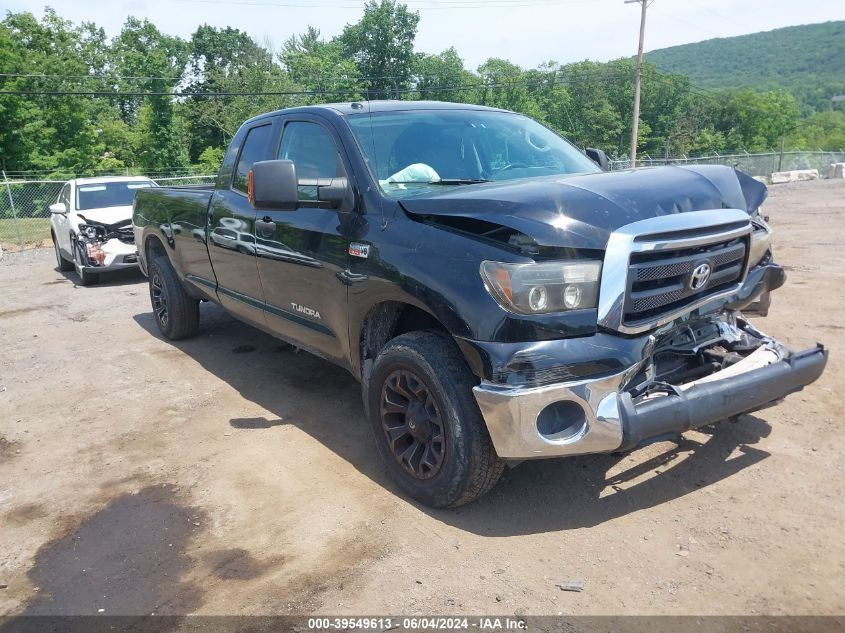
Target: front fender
{"points": [[438, 271]]}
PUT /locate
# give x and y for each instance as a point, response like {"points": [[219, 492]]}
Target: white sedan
{"points": [[91, 225]]}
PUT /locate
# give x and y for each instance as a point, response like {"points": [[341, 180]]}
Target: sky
{"points": [[527, 32]]}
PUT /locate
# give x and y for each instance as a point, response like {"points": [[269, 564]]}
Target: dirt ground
{"points": [[230, 475]]}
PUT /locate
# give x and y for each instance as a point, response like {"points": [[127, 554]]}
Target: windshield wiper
{"points": [[442, 181]]}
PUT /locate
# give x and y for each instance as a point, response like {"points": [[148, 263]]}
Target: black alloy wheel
{"points": [[412, 424], [159, 297], [427, 426], [177, 314]]}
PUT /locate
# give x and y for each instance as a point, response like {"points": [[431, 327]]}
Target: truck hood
{"points": [[107, 215], [581, 211]]}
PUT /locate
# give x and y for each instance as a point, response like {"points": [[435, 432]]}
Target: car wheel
{"points": [[85, 278], [176, 312], [427, 426], [61, 263]]}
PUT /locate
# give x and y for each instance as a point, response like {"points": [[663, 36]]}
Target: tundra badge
{"points": [[306, 310]]}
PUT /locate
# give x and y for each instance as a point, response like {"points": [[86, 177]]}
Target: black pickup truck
{"points": [[499, 296]]}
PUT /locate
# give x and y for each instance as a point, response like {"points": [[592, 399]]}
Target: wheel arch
{"points": [[154, 247], [391, 318]]}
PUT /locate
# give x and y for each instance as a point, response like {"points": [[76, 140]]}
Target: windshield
{"points": [[108, 194], [411, 152]]}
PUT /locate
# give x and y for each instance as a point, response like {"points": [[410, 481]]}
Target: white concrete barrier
{"points": [[781, 177], [836, 170]]}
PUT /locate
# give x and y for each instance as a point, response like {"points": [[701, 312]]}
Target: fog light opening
{"points": [[561, 420]]}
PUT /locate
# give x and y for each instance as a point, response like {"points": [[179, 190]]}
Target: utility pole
{"points": [[635, 124]]}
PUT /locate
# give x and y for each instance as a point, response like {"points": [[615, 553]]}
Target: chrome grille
{"points": [[660, 282]]}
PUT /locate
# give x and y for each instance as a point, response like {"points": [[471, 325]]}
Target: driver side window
{"points": [[313, 151]]}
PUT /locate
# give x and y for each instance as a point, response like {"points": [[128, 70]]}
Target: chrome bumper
{"points": [[605, 419], [511, 415]]}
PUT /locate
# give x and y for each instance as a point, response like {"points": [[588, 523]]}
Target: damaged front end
{"points": [[710, 371], [673, 350], [691, 375], [99, 247]]}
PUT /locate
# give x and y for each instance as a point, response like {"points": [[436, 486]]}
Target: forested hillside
{"points": [[75, 101], [807, 60]]}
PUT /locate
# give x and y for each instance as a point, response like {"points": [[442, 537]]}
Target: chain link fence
{"points": [[25, 208], [760, 165], [25, 202]]}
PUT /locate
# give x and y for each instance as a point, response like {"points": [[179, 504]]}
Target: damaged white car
{"points": [[91, 225]]}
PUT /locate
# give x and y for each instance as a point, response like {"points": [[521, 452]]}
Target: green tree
{"points": [[146, 60], [209, 160], [598, 121], [44, 132], [227, 61], [822, 130], [756, 121], [505, 86], [382, 46], [438, 77], [320, 67]]}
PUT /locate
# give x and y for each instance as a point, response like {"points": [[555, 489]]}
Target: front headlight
{"points": [[761, 241], [541, 288]]}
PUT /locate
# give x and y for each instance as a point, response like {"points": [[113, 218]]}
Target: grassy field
{"points": [[33, 232]]}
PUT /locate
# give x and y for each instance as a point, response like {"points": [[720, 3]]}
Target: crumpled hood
{"points": [[108, 215], [582, 211]]}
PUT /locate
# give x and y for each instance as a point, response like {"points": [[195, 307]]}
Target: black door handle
{"points": [[265, 227]]}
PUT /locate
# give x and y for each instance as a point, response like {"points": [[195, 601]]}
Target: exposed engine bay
{"points": [[101, 245], [704, 350]]}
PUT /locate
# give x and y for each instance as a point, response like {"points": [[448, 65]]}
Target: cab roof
{"points": [[363, 107]]}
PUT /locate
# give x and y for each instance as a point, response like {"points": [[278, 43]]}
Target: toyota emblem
{"points": [[700, 276]]}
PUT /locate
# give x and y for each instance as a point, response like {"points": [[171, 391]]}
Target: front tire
{"points": [[177, 314], [427, 426], [62, 264]]}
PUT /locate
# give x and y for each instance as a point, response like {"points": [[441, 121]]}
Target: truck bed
{"points": [[176, 216]]}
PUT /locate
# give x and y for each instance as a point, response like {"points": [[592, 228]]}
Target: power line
{"points": [[698, 28], [558, 76], [286, 77], [714, 12], [527, 81], [104, 77], [455, 4], [581, 75]]}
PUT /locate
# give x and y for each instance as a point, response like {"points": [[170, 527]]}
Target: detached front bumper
{"points": [[595, 416]]}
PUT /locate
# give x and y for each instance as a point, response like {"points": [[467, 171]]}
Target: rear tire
{"points": [[426, 424], [62, 264], [177, 314]]}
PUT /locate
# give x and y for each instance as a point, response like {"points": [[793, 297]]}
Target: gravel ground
{"points": [[228, 474]]}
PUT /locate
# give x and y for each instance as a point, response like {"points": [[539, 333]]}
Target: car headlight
{"points": [[541, 288], [88, 231], [761, 241]]}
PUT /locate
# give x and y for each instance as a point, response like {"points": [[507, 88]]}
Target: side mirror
{"points": [[335, 193], [272, 184], [58, 208], [598, 157]]}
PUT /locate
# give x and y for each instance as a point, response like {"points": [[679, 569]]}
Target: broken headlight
{"points": [[542, 288], [91, 231], [761, 239]]}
